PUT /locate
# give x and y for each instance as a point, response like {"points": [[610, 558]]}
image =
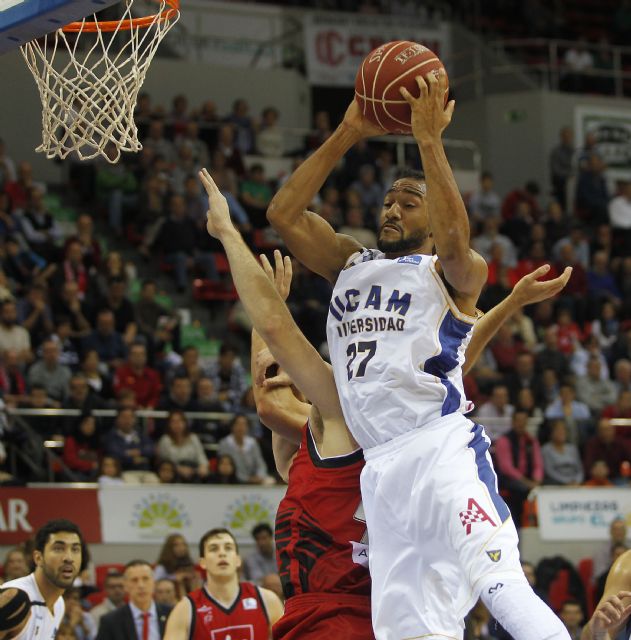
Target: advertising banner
{"points": [[23, 511], [581, 514], [336, 44], [135, 514]]}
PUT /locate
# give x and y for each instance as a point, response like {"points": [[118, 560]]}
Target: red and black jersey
{"points": [[321, 539], [246, 619]]}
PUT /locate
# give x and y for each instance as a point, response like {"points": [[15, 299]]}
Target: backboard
{"points": [[24, 20]]}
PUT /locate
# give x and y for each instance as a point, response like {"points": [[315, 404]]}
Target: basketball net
{"points": [[89, 93]]}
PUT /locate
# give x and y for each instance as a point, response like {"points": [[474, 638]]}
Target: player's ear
{"points": [[202, 563], [239, 561], [38, 558]]}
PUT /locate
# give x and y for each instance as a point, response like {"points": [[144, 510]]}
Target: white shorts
{"points": [[437, 527]]}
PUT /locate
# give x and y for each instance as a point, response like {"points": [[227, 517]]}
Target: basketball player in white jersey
{"points": [[399, 323], [59, 554], [612, 618]]}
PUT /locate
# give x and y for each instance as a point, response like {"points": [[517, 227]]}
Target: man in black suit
{"points": [[142, 618]]}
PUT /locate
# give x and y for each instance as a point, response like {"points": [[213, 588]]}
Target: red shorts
{"points": [[325, 616]]}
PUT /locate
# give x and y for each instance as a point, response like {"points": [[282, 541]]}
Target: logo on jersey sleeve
{"points": [[410, 259], [250, 603], [494, 555], [474, 513]]}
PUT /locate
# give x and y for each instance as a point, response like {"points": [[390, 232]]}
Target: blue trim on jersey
{"points": [[450, 336], [486, 473]]}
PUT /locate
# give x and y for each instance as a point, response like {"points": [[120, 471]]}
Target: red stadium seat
{"points": [[96, 598], [102, 570], [559, 590], [586, 571]]}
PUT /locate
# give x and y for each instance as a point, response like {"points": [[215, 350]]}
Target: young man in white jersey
{"points": [[59, 556], [296, 355], [399, 324]]}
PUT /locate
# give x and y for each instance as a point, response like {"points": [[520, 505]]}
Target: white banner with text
{"points": [[581, 513]]}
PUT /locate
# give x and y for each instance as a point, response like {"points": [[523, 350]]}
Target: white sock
{"points": [[514, 604]]}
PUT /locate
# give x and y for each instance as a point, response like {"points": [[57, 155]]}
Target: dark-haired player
{"points": [[59, 555], [224, 608]]}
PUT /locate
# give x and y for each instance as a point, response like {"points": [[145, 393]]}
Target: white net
{"points": [[89, 81]]}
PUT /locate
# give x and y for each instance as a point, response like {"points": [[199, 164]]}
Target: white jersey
{"points": [[397, 343], [42, 625]]}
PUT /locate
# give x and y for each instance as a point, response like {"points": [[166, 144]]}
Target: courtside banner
{"points": [[23, 511], [336, 43], [581, 514], [148, 513]]}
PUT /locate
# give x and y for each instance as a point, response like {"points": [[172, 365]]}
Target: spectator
{"points": [[174, 554], [110, 472], [114, 588], [575, 414], [269, 139], [39, 227], [256, 194], [156, 142], [599, 475], [165, 592], [262, 561], [106, 341], [549, 357], [355, 228], [622, 373], [137, 376], [592, 197], [606, 327], [602, 556], [34, 314], [523, 376], [244, 127], [167, 472], [12, 383], [607, 447], [68, 351], [528, 194], [620, 216], [91, 369], [7, 167], [561, 165], [593, 390], [577, 61], [370, 191], [190, 137], [572, 616], [15, 565], [579, 244], [208, 121], [49, 373], [621, 409], [245, 451], [70, 305], [227, 146], [183, 448], [496, 413], [601, 282], [228, 376], [124, 442], [155, 322], [81, 621], [485, 202], [519, 463], [180, 396], [12, 336], [505, 349], [561, 459], [82, 449], [179, 239], [90, 245], [117, 302], [226, 471], [190, 367]]}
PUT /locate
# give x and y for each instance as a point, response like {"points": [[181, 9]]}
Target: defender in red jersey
{"points": [[224, 608], [320, 533]]}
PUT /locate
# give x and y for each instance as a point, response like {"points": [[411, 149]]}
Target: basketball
{"points": [[385, 69]]}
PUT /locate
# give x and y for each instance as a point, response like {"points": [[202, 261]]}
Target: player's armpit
{"points": [[179, 621]]}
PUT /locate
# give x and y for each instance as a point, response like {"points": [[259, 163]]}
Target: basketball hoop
{"points": [[89, 93]]}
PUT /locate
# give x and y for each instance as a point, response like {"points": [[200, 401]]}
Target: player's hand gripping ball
{"points": [[383, 71]]}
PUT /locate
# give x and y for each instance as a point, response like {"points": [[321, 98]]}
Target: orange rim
{"points": [[126, 25]]}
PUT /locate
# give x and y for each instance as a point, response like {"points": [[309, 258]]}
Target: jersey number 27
{"points": [[355, 348]]}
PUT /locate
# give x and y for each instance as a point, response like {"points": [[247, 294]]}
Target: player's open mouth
{"points": [[390, 226], [224, 564]]}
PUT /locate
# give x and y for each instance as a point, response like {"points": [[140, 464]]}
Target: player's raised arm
{"points": [[527, 291], [307, 235], [268, 312], [463, 268]]}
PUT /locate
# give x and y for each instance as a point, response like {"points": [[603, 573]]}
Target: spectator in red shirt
{"points": [[505, 349], [81, 449], [536, 258], [528, 194], [19, 189], [519, 463], [568, 332], [137, 376], [607, 447], [621, 409]]}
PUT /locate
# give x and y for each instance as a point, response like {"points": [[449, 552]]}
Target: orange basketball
{"points": [[383, 71]]}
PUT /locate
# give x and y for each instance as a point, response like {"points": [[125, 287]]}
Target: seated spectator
{"points": [[190, 367], [549, 356], [82, 449], [124, 442], [269, 139], [167, 472], [619, 210], [262, 561], [157, 142], [243, 124], [174, 554], [206, 400], [526, 402], [485, 202], [49, 373], [599, 475], [505, 349], [82, 623], [527, 195], [575, 290], [34, 314], [569, 334], [165, 592], [46, 426], [519, 463], [244, 451], [190, 137], [256, 194], [355, 228], [68, 351], [592, 197], [12, 336], [600, 281], [580, 246], [90, 245], [179, 397], [15, 565], [155, 322], [114, 588], [575, 414], [228, 376], [227, 146], [40, 229], [179, 238], [602, 556], [369, 189], [591, 389], [225, 471], [136, 375], [496, 413], [106, 341], [607, 447], [183, 448], [571, 614], [562, 164], [622, 375], [490, 238], [70, 305], [621, 409], [605, 328], [523, 376], [110, 472], [561, 459], [92, 370], [12, 382], [73, 269]]}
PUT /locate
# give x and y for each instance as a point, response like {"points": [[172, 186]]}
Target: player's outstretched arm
{"points": [[464, 269], [179, 621], [307, 235], [527, 291], [268, 312]]}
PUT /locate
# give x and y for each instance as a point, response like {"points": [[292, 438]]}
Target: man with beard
{"points": [[59, 556]]}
